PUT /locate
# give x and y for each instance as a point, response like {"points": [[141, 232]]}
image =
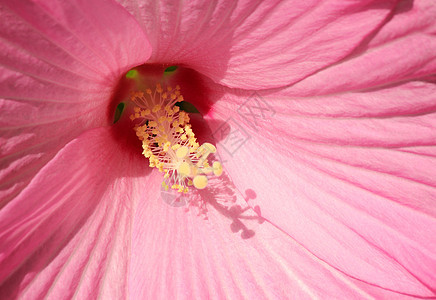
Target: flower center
{"points": [[168, 140]]}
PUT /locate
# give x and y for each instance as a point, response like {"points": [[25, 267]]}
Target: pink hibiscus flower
{"points": [[323, 114]]}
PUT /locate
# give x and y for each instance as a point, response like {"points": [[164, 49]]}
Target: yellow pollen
{"points": [[182, 152], [200, 182], [159, 88], [217, 168], [156, 108], [169, 142], [184, 169], [166, 146]]}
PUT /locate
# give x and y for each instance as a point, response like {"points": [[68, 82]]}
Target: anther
{"points": [[169, 142]]}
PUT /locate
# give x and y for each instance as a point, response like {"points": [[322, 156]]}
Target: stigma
{"points": [[169, 142]]}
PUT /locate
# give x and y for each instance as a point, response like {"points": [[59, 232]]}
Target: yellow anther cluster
{"points": [[168, 140]]}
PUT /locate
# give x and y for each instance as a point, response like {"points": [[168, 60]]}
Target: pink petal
{"points": [[403, 49], [233, 254], [335, 173], [257, 44], [60, 63], [68, 232]]}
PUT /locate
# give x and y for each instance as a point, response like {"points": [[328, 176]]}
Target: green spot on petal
{"points": [[188, 107], [170, 69], [119, 111], [132, 74]]}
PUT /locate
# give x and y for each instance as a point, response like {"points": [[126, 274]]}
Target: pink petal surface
{"points": [[59, 65], [345, 182], [72, 237], [402, 49], [340, 185], [178, 254], [257, 44]]}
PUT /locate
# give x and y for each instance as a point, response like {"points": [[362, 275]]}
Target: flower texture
{"points": [[323, 114]]}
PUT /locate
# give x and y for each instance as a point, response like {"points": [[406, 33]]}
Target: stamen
{"points": [[168, 140]]}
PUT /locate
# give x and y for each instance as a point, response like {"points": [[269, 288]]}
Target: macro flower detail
{"points": [[169, 142], [312, 138]]}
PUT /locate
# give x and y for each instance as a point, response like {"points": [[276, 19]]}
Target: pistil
{"points": [[169, 142]]}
